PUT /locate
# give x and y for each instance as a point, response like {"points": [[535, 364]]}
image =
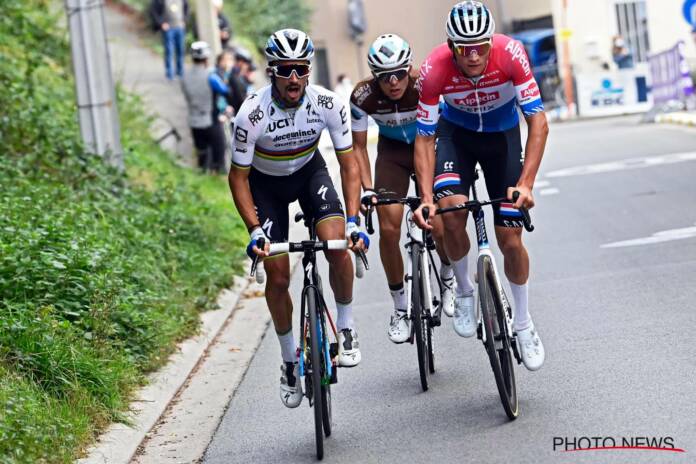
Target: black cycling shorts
{"points": [[499, 154], [311, 185], [394, 166]]}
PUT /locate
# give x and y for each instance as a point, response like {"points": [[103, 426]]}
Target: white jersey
{"points": [[278, 141]]}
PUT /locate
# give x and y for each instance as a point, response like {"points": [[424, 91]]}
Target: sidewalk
{"points": [[141, 71], [684, 118]]}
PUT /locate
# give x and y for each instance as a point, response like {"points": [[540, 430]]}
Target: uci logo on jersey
{"points": [[282, 124]]}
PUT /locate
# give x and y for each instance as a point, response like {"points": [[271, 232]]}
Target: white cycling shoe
{"points": [[447, 296], [399, 327], [348, 348], [290, 385], [464, 316], [531, 348]]}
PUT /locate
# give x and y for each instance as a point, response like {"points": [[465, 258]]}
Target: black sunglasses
{"points": [[286, 70], [386, 76]]}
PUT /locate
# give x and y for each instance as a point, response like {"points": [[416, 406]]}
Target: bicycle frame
{"points": [[413, 233], [312, 282], [484, 249]]}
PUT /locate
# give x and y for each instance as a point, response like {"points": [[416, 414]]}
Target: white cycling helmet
{"points": [[289, 45], [470, 21], [200, 50], [388, 52]]}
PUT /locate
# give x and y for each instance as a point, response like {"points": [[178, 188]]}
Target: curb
{"points": [[120, 442], [680, 117]]}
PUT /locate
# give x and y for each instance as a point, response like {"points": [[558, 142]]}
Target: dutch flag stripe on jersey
{"points": [[446, 180], [506, 209]]}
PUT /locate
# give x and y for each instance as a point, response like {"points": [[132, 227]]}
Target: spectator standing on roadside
{"points": [[170, 16], [223, 24], [201, 86]]}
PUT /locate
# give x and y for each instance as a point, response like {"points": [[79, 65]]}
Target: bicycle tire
{"points": [[497, 346], [430, 326], [420, 326], [315, 357], [326, 386]]}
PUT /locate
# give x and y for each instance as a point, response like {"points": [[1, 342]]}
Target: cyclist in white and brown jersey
{"points": [[391, 99]]}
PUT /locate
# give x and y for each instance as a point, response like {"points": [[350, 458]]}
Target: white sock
{"points": [[446, 271], [399, 297], [520, 293], [288, 349], [461, 270], [345, 316]]}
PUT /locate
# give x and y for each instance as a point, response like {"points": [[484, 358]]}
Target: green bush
{"points": [[101, 272]]}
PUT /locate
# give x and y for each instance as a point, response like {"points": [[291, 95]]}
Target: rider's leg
{"points": [[340, 270], [393, 168], [516, 271], [458, 245], [279, 302], [390, 218]]}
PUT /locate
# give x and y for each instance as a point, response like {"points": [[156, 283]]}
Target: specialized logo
{"points": [[241, 135], [517, 52], [472, 100], [267, 225], [325, 101], [322, 191], [256, 116]]}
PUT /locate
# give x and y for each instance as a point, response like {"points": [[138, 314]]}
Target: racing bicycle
{"points": [[318, 335], [495, 312]]}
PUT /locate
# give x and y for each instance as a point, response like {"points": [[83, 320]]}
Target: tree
{"points": [[259, 19]]}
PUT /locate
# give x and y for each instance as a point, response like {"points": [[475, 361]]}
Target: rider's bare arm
{"points": [[350, 182], [424, 163], [360, 151], [537, 132], [241, 193]]}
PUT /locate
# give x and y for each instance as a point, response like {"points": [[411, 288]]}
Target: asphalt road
{"points": [[617, 322]]}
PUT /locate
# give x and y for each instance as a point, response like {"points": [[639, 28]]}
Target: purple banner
{"points": [[670, 75]]}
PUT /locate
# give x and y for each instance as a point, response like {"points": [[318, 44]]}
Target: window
{"points": [[632, 25]]}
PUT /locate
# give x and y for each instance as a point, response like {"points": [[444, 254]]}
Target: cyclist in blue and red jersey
{"points": [[483, 79]]}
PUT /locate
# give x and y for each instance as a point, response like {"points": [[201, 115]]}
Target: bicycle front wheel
{"points": [[326, 380], [420, 325], [314, 370], [497, 340]]}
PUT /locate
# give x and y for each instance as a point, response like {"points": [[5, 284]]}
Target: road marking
{"points": [[657, 237], [549, 191], [541, 184], [631, 163]]}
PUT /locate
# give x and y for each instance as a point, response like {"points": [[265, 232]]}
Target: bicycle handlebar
{"points": [[371, 202], [361, 264], [475, 204]]}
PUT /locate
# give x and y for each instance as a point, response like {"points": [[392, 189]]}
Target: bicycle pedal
{"points": [[334, 374], [333, 349]]}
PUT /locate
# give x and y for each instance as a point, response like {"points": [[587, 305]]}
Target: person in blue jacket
{"points": [[201, 87]]}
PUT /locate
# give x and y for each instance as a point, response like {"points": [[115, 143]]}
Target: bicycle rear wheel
{"points": [[420, 325], [315, 370], [497, 340]]}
